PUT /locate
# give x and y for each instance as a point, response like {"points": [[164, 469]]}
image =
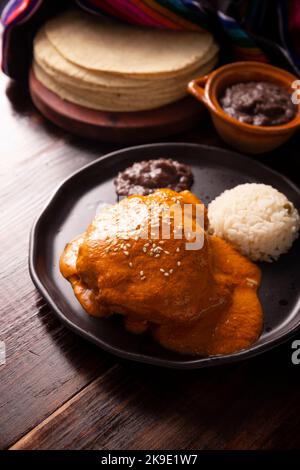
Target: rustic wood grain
{"points": [[245, 406], [58, 391], [46, 364]]}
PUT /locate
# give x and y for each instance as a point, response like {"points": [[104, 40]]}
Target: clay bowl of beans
{"points": [[254, 106]]}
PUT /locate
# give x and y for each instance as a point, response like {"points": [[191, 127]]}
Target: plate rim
{"points": [[193, 363]]}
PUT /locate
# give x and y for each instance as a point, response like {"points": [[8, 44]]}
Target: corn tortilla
{"points": [[109, 66], [49, 59], [98, 44], [106, 102]]}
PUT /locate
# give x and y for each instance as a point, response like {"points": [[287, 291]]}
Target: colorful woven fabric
{"points": [[16, 10], [174, 14], [289, 27], [241, 23]]}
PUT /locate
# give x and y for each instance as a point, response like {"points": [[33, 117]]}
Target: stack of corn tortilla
{"points": [[106, 65]]}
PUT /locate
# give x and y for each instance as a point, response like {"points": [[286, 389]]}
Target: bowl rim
{"points": [[212, 101]]}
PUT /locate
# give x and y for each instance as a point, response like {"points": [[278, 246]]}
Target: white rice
{"points": [[255, 218]]}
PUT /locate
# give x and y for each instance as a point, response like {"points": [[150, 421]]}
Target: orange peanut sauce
{"points": [[199, 302]]}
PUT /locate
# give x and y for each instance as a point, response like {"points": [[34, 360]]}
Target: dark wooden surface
{"points": [[58, 391]]}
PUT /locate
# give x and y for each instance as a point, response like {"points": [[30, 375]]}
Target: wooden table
{"points": [[57, 391]]}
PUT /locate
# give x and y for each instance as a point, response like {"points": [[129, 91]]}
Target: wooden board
{"points": [[129, 127]]}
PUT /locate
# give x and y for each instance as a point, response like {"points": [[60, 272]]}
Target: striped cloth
{"points": [[243, 24]]}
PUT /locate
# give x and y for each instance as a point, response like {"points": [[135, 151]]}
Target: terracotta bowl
{"points": [[245, 137]]}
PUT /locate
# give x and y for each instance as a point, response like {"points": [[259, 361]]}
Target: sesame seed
{"points": [[116, 249], [251, 282], [130, 264], [143, 278], [157, 255], [178, 263], [146, 245], [166, 274], [154, 245], [162, 270], [128, 245], [171, 270], [142, 273], [178, 249], [145, 250], [126, 253], [167, 252]]}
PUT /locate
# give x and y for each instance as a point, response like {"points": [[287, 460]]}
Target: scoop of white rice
{"points": [[255, 218]]}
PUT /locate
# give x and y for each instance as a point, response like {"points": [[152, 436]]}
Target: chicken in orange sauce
{"points": [[199, 301]]}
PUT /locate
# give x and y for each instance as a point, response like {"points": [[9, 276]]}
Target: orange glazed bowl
{"points": [[248, 138]]}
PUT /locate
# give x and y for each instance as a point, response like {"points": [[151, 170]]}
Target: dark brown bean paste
{"points": [[258, 103], [144, 177]]}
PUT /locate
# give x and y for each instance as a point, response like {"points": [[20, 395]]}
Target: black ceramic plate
{"points": [[73, 206]]}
